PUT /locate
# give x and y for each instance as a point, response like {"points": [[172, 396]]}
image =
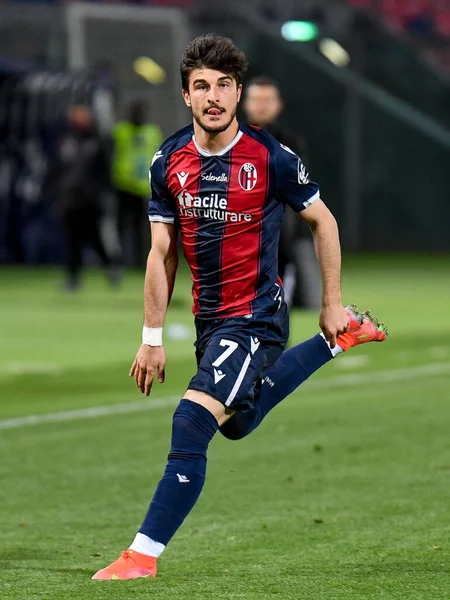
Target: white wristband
{"points": [[152, 336]]}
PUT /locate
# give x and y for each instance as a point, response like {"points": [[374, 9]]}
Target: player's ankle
{"points": [[145, 545], [334, 351]]}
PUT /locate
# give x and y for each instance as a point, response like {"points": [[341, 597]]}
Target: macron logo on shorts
{"points": [[254, 342], [218, 375]]}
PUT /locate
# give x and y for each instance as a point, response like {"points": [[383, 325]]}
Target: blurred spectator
{"points": [[81, 178], [135, 142], [297, 262]]}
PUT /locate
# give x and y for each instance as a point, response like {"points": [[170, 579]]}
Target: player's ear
{"points": [[186, 97], [239, 92]]}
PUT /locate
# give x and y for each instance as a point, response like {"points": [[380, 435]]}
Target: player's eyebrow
{"points": [[221, 79]]}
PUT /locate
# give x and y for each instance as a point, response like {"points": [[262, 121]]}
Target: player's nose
{"points": [[213, 95]]}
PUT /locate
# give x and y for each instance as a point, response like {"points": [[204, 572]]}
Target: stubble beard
{"points": [[218, 128]]}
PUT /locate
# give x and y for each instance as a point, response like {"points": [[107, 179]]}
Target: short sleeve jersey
{"points": [[228, 208]]}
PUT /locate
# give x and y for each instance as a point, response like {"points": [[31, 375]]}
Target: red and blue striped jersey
{"points": [[228, 207]]}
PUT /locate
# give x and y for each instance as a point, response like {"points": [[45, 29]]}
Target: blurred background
{"points": [[365, 84], [361, 90]]}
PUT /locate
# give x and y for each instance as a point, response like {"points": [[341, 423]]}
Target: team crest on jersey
{"points": [[248, 176]]}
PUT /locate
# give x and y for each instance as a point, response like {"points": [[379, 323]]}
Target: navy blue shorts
{"points": [[233, 353]]}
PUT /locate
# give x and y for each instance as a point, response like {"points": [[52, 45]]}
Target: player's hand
{"points": [[333, 321], [150, 361]]}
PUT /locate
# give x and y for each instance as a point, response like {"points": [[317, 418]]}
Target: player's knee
{"points": [[232, 430], [212, 404], [193, 427]]}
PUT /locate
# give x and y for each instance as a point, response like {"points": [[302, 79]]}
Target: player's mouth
{"points": [[214, 112]]}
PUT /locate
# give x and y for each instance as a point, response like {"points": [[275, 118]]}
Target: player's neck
{"points": [[215, 142]]}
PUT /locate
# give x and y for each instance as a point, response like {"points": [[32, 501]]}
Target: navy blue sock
{"points": [[177, 492], [293, 367]]}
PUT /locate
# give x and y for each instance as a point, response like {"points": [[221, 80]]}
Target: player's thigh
{"points": [[221, 412], [230, 367]]}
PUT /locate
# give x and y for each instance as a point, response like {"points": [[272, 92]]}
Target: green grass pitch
{"points": [[342, 493]]}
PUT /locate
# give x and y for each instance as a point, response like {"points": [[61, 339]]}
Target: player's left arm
{"points": [[333, 318], [297, 190]]}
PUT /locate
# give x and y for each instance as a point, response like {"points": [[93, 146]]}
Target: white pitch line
{"points": [[88, 413], [414, 372], [352, 362], [32, 368]]}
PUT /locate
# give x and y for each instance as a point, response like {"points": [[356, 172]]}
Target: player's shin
{"points": [[177, 492]]}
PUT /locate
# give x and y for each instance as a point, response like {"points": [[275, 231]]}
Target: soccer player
{"points": [[224, 186]]}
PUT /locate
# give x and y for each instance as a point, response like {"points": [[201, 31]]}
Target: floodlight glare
{"points": [[299, 31], [334, 52], [149, 69]]}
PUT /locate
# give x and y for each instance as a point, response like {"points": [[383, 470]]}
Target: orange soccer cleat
{"points": [[363, 328], [130, 565]]}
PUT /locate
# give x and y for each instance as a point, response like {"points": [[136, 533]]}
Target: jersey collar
{"points": [[227, 148]]}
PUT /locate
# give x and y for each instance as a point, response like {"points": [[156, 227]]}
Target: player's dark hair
{"points": [[263, 81], [212, 52]]}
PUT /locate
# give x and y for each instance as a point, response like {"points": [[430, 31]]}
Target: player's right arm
{"points": [[160, 275]]}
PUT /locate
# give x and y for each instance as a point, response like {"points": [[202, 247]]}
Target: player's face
{"points": [[213, 98], [262, 104]]}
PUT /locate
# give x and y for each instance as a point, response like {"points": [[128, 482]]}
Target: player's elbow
{"points": [[329, 220], [319, 216], [171, 261], [168, 256]]}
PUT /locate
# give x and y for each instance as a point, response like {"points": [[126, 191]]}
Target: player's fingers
{"points": [[147, 384], [342, 328], [144, 378], [330, 334], [332, 339], [140, 377], [147, 380], [161, 374], [133, 368]]}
